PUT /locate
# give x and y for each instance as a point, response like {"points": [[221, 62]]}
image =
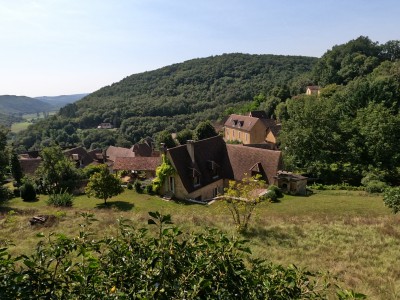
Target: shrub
{"points": [[138, 187], [129, 186], [5, 194], [391, 198], [28, 192], [277, 190], [375, 186], [271, 196], [16, 192], [61, 199], [149, 189]]}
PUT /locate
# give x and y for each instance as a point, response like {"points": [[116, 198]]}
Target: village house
{"points": [[254, 128], [79, 156], [312, 90], [137, 165], [105, 126], [204, 168]]}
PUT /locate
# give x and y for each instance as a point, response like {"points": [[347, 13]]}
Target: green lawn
{"points": [[17, 127], [350, 235]]}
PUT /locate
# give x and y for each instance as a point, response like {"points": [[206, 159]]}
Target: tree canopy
{"points": [[103, 185]]}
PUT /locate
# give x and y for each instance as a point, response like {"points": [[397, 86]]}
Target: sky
{"points": [[61, 47]]}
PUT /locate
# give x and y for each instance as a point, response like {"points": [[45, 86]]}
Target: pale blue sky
{"points": [[54, 47]]}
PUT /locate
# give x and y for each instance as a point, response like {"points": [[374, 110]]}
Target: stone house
{"points": [[312, 90], [254, 128], [204, 168]]}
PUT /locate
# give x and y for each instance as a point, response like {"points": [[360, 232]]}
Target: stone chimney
{"points": [[190, 149]]}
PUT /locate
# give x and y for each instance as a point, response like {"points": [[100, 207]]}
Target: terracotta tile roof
{"points": [[29, 165], [113, 152], [79, 154], [245, 123], [247, 159], [137, 163]]}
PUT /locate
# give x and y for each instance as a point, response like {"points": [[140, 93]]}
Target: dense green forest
{"points": [[171, 98], [348, 133]]}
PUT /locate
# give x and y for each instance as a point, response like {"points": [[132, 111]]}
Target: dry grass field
{"points": [[350, 235]]}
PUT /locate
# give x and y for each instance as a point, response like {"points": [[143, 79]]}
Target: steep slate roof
{"points": [[232, 162], [206, 152], [29, 165], [247, 159], [245, 123], [113, 152], [258, 114], [79, 153], [137, 163], [142, 149]]}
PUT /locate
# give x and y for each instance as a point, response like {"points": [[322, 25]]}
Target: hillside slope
{"points": [[10, 104], [192, 91]]}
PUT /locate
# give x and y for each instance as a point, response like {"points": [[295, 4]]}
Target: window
{"points": [[171, 184], [196, 180], [245, 136], [239, 134], [215, 192]]}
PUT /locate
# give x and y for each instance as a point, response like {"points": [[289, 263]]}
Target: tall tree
{"points": [[3, 156], [15, 166], [103, 185], [204, 130], [56, 171]]}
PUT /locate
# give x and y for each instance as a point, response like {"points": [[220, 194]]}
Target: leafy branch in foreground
{"points": [[138, 265]]}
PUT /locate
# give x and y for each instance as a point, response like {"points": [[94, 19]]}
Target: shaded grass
{"points": [[351, 235]]}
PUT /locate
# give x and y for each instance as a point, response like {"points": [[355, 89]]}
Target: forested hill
{"points": [[172, 98], [199, 89], [10, 104]]}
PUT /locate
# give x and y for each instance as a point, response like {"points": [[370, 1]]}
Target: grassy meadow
{"points": [[350, 235], [27, 120]]}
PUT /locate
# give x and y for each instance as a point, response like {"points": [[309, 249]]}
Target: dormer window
{"points": [[257, 169], [235, 122], [196, 177], [196, 180], [213, 167]]}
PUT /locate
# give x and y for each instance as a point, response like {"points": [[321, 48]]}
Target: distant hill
{"points": [[19, 105], [60, 101]]}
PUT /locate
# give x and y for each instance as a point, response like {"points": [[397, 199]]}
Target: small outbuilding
{"points": [[289, 183]]}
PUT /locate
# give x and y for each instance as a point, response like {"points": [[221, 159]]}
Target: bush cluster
{"points": [[138, 265], [28, 192], [61, 199]]}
